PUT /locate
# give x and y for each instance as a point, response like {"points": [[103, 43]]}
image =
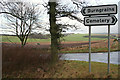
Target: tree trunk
{"points": [[22, 43], [53, 32]]}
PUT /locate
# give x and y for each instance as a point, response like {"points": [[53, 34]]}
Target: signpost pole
{"points": [[89, 48], [99, 20], [108, 49]]}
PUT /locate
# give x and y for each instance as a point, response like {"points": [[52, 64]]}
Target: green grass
{"points": [[38, 40], [0, 38], [10, 39], [80, 37], [86, 50], [16, 39], [68, 69], [69, 38]]}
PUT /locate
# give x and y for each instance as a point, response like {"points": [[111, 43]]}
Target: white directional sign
{"points": [[100, 20], [99, 10], [95, 19]]}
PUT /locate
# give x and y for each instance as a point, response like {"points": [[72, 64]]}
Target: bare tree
{"points": [[22, 17]]}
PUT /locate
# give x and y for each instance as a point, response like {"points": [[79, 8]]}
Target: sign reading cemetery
{"points": [[100, 20]]}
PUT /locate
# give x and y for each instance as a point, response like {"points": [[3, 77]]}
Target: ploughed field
{"points": [[73, 43], [76, 47]]}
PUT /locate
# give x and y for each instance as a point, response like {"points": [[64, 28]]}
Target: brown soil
{"points": [[100, 44]]}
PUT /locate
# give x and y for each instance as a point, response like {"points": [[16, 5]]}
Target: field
{"points": [[15, 39], [85, 37], [73, 43], [33, 61], [69, 38]]}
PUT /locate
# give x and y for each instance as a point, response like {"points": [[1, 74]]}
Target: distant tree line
{"points": [[39, 36]]}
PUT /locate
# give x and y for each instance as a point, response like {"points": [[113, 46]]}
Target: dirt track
{"points": [[100, 43]]}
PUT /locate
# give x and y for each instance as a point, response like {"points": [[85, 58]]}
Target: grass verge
{"points": [[65, 69], [35, 63], [94, 49]]}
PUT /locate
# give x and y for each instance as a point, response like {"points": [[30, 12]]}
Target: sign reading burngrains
{"points": [[96, 10]]}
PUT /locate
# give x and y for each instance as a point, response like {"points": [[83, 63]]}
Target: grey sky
{"points": [[84, 29], [103, 29], [99, 29]]}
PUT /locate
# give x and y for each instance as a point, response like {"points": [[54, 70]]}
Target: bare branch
{"points": [[22, 16]]}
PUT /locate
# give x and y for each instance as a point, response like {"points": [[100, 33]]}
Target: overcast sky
{"points": [[114, 29], [84, 29], [101, 29]]}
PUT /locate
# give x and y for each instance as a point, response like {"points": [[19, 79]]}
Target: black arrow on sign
{"points": [[83, 11], [114, 19]]}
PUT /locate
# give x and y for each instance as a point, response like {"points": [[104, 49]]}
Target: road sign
{"points": [[100, 20], [99, 10]]}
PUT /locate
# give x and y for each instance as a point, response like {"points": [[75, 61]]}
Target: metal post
{"points": [[89, 48], [108, 49]]}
